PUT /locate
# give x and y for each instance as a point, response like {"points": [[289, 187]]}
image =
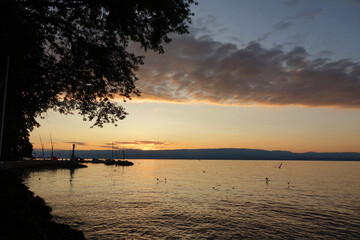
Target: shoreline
{"points": [[24, 215]]}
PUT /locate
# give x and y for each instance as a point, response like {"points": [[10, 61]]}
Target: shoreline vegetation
{"points": [[24, 215]]}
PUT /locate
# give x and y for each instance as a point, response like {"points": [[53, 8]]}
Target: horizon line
{"points": [[187, 149]]}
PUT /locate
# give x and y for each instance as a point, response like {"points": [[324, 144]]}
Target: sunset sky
{"points": [[274, 75]]}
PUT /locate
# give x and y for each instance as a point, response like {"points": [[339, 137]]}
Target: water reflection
{"points": [[72, 171], [207, 199]]}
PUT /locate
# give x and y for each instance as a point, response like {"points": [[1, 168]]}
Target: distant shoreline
{"points": [[216, 154]]}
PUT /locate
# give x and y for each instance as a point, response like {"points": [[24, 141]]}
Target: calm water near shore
{"points": [[207, 199]]}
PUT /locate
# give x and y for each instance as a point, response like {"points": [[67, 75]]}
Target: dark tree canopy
{"points": [[72, 56]]}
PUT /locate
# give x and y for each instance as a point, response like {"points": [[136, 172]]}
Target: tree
{"points": [[73, 56]]}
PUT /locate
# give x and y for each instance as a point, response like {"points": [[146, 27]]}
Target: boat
{"points": [[124, 162], [95, 160], [112, 161]]}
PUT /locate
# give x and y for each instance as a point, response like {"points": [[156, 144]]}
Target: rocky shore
{"points": [[24, 215]]}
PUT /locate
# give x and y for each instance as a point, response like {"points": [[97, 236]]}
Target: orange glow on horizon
{"points": [[156, 99], [67, 146], [165, 126]]}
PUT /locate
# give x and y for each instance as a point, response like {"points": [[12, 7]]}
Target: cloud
{"points": [[111, 147], [284, 24], [205, 70], [288, 22], [144, 142], [209, 27], [137, 144], [78, 143], [280, 26], [264, 36]]}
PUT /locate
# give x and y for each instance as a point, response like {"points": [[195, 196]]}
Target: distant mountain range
{"points": [[221, 153]]}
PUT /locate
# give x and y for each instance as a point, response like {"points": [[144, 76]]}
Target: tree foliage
{"points": [[73, 56]]}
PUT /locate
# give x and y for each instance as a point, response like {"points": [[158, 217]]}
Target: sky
{"points": [[274, 75]]}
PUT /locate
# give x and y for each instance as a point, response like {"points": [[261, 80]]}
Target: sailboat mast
{"points": [[52, 148], [112, 150], [42, 148]]}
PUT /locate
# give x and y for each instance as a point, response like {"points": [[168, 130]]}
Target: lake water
{"points": [[207, 199]]}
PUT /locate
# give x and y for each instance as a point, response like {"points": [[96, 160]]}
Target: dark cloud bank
{"points": [[202, 69]]}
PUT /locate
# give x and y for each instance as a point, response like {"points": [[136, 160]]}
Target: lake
{"points": [[206, 199]]}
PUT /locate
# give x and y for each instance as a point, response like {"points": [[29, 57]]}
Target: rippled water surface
{"points": [[207, 199]]}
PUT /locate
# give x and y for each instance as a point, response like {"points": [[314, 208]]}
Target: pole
{"points": [[42, 148], [4, 105], [112, 150], [52, 148]]}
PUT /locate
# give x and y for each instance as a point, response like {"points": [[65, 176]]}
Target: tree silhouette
{"points": [[73, 56]]}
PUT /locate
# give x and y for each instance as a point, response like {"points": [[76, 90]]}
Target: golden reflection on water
{"points": [[222, 199]]}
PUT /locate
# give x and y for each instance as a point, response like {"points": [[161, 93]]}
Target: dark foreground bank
{"points": [[25, 216]]}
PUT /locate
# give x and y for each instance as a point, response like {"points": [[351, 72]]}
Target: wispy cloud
{"points": [[111, 147], [202, 69], [137, 144], [288, 22], [78, 143], [284, 24], [144, 142]]}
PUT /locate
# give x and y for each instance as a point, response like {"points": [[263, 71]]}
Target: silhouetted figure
{"points": [[267, 180]]}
